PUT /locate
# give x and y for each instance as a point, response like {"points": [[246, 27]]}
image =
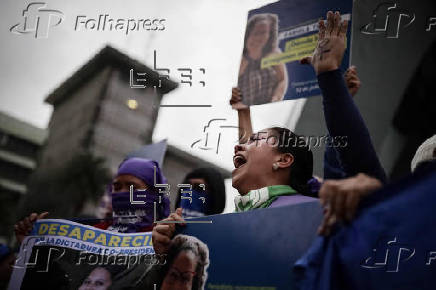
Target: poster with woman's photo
{"points": [[277, 36], [64, 255], [253, 250]]}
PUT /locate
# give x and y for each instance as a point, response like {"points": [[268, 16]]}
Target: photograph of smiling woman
{"points": [[261, 85]]}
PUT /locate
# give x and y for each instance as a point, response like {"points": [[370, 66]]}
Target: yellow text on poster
{"points": [[295, 49]]}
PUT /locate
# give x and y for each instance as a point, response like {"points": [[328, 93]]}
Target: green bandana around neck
{"points": [[261, 198]]}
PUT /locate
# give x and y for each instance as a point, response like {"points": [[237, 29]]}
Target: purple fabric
{"points": [[291, 199], [131, 217], [315, 185], [143, 169]]}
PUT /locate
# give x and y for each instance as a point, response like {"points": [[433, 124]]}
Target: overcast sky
{"points": [[198, 34]]}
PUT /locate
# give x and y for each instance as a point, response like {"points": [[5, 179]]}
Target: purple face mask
{"points": [[130, 216], [134, 213]]}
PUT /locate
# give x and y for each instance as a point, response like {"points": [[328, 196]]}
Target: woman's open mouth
{"points": [[239, 160]]}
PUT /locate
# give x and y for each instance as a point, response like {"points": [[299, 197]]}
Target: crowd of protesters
{"points": [[268, 166], [270, 171]]}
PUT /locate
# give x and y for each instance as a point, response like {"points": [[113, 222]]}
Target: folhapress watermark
{"points": [[388, 19], [107, 23], [38, 20], [213, 133], [389, 254], [120, 259]]}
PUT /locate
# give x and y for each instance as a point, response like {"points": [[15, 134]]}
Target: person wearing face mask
{"points": [[138, 173], [208, 195], [127, 217]]}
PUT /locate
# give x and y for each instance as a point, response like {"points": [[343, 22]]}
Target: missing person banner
{"points": [[253, 250], [256, 250], [277, 36], [60, 254]]}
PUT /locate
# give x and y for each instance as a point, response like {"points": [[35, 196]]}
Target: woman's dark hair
{"points": [[113, 271], [302, 167], [271, 45], [181, 243], [215, 188]]}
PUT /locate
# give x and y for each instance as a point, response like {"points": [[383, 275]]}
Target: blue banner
{"points": [[256, 249]]}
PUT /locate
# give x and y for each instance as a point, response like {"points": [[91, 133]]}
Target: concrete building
{"points": [[19, 145], [97, 110]]}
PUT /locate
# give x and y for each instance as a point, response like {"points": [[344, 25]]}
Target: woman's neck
{"points": [[255, 53], [246, 191]]}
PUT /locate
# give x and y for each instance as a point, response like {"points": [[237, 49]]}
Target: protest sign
{"points": [[60, 254], [252, 250], [277, 36]]}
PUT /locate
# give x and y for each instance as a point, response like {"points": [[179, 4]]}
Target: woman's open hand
{"points": [[330, 49]]}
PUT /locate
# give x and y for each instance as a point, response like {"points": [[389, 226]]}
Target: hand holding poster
{"points": [[277, 36]]}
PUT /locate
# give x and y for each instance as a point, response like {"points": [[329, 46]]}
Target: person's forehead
{"points": [[197, 180], [264, 133], [127, 178], [184, 260], [262, 22], [99, 272]]}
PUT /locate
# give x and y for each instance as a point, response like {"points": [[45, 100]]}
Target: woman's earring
{"points": [[275, 166]]}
